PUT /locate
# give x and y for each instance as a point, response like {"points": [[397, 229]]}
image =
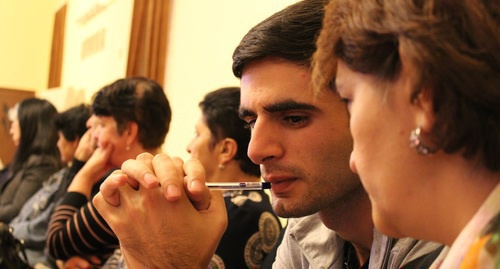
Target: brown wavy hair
{"points": [[455, 47]]}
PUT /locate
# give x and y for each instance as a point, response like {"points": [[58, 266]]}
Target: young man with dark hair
{"points": [[302, 143]]}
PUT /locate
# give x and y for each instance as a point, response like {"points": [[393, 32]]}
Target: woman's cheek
{"points": [[102, 143]]}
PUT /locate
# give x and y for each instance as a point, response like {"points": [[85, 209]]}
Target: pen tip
{"points": [[266, 185]]}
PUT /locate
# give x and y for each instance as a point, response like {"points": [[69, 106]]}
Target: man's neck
{"points": [[351, 219]]}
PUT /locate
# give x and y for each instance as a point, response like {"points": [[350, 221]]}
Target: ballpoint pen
{"points": [[239, 185]]}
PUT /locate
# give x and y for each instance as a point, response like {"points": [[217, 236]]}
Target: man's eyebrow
{"points": [[243, 112], [279, 107], [289, 105]]}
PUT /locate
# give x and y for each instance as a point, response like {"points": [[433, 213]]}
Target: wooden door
{"points": [[8, 98]]}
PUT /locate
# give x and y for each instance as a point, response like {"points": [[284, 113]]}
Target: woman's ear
{"points": [[424, 115], [228, 149], [132, 132]]}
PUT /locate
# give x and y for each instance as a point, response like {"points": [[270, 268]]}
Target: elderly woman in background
{"points": [[36, 158], [132, 116]]}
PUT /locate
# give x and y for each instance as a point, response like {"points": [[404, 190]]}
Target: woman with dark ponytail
{"points": [[37, 157]]}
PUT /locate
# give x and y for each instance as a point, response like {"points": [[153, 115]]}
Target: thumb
{"points": [[217, 209]]}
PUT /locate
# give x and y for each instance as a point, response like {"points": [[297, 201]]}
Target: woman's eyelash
{"points": [[345, 100]]}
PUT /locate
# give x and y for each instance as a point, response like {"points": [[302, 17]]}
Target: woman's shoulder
{"points": [[485, 251]]}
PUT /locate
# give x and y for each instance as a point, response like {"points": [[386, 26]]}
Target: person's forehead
{"points": [[201, 121], [106, 119], [273, 69], [271, 79]]}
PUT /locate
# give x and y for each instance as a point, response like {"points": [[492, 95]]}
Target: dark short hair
{"points": [[289, 34], [220, 114], [140, 100], [72, 123], [454, 46], [38, 132]]}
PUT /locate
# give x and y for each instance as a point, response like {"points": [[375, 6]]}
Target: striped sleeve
{"points": [[77, 229]]}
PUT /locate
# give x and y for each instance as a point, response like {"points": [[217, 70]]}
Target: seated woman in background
{"points": [[132, 116], [37, 157], [221, 144], [31, 223]]}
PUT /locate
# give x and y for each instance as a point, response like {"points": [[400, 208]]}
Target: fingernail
{"points": [[197, 185], [173, 191], [150, 179]]}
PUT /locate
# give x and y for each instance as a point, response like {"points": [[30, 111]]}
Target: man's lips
{"points": [[281, 186]]}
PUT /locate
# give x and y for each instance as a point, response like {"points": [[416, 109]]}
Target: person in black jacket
{"points": [[35, 135]]}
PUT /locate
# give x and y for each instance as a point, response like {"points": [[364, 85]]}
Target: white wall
{"points": [[201, 42], [26, 32], [96, 44], [202, 38]]}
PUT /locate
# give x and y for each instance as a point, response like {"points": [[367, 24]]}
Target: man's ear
{"points": [[228, 150]]}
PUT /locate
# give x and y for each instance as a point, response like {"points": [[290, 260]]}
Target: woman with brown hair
{"points": [[421, 80]]}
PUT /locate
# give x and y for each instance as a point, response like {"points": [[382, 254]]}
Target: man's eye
{"points": [[293, 119], [296, 120]]}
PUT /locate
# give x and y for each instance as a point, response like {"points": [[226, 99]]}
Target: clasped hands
{"points": [[162, 213]]}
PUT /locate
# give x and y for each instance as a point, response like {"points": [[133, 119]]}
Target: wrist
{"points": [[83, 182], [162, 261]]}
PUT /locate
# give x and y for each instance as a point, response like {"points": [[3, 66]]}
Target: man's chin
{"points": [[283, 208]]}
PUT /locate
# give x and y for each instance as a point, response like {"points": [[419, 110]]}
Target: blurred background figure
{"points": [[33, 219], [221, 144], [132, 116], [71, 125], [36, 158]]}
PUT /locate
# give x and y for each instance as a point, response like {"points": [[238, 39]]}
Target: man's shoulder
{"points": [[308, 223], [308, 242], [312, 232], [389, 252]]}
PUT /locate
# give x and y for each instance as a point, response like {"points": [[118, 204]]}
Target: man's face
{"points": [[301, 141]]}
